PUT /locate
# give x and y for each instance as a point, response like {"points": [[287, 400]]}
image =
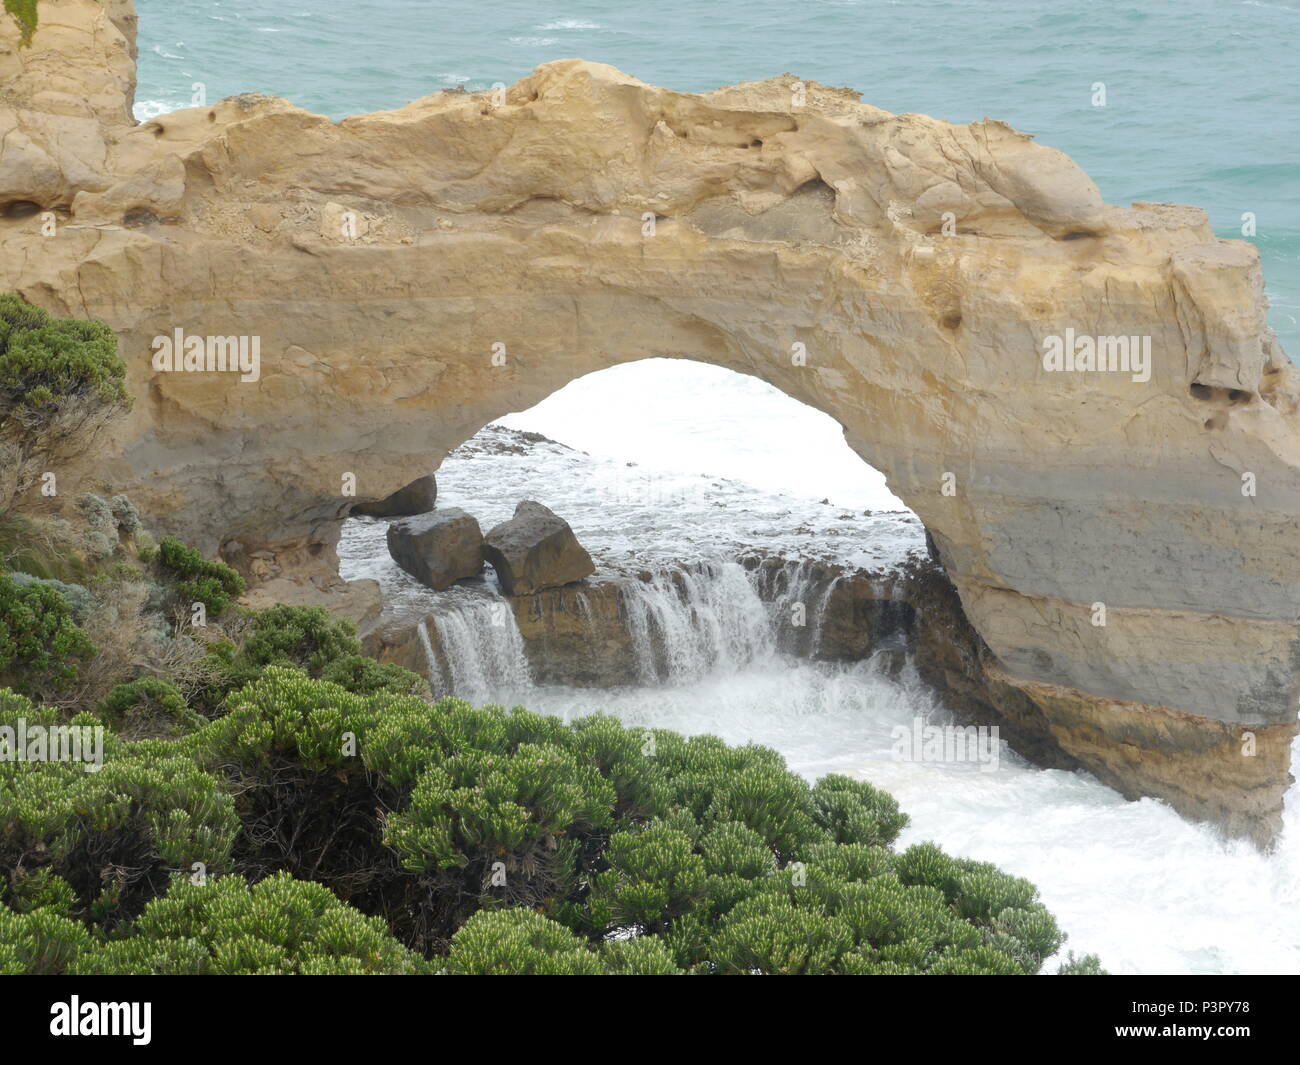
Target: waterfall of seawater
{"points": [[1131, 881], [483, 659], [687, 623], [684, 623], [796, 595]]}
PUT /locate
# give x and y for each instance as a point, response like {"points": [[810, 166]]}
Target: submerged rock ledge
{"points": [[409, 276]]}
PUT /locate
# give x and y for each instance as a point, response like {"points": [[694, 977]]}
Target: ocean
{"points": [[1202, 97]]}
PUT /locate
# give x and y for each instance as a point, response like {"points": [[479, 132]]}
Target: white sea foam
{"points": [[1133, 882]]}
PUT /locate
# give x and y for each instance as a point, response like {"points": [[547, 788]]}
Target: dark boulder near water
{"points": [[535, 550], [418, 497], [438, 548]]}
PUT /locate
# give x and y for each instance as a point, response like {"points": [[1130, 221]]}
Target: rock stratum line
{"points": [[589, 219]]}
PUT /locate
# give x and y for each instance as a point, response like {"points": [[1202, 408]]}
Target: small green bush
{"points": [[45, 361], [116, 835], [1087, 965], [519, 943], [197, 579], [365, 676], [148, 706], [40, 943], [41, 648], [305, 637], [280, 926]]}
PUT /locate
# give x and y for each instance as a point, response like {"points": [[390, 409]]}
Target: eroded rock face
{"points": [[535, 550], [438, 548], [412, 275], [578, 635]]}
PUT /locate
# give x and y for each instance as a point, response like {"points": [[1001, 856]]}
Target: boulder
{"points": [[534, 550], [418, 497], [437, 548]]}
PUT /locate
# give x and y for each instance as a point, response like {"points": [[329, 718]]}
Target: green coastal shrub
{"points": [[47, 362], [197, 579], [150, 706], [79, 598], [365, 676], [279, 926], [303, 636], [519, 943], [377, 828], [222, 926], [114, 836], [41, 648], [40, 943], [522, 942], [61, 381], [453, 822], [307, 638]]}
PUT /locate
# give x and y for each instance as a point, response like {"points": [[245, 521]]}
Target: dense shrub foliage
{"points": [[314, 812], [41, 647], [61, 381], [46, 362], [222, 926], [108, 840], [497, 841], [198, 580], [149, 706]]}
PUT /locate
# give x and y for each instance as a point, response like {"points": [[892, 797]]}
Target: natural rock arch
{"points": [[897, 272]]}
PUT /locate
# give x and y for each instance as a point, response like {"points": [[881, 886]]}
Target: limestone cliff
{"points": [[409, 276]]}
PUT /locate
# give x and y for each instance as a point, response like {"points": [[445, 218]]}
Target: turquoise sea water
{"points": [[1202, 96]]}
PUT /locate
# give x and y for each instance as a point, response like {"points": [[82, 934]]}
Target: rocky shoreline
{"points": [[598, 632]]}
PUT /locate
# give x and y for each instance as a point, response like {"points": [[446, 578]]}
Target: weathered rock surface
{"points": [[577, 635], [418, 497], [535, 550], [413, 275], [438, 548]]}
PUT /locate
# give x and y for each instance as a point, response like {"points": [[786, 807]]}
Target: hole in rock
{"points": [[20, 209], [138, 216], [1201, 391], [739, 547]]}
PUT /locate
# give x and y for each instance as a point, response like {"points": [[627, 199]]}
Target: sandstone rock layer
{"points": [[418, 497], [414, 274]]}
